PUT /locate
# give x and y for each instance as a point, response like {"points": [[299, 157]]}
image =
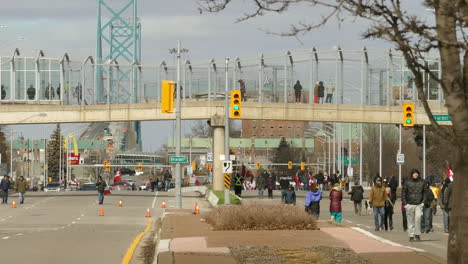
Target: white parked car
{"points": [[53, 187]]}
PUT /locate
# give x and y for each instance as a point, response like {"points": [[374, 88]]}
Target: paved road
{"points": [[66, 227], [434, 242]]}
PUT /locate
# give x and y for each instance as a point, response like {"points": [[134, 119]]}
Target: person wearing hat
{"points": [[413, 195], [336, 195], [312, 202], [377, 198], [290, 195]]}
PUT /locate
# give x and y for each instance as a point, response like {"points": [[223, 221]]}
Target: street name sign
{"points": [[175, 159], [441, 117]]}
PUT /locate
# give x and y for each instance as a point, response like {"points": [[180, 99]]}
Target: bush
{"points": [[260, 217]]}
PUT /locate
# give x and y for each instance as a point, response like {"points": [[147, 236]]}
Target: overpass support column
{"points": [[217, 124]]}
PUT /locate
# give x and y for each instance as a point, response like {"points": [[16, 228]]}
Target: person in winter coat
{"points": [[260, 185], [388, 216], [298, 91], [412, 197], [393, 184], [448, 203], [321, 92], [312, 202], [377, 198], [426, 220], [357, 195], [270, 184], [284, 185], [290, 196], [330, 91], [305, 181], [238, 183], [336, 195], [297, 181], [441, 201], [320, 179], [4, 187], [101, 187], [21, 187], [316, 98], [346, 181]]}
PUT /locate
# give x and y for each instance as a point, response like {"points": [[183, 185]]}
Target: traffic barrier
{"points": [[148, 213], [163, 205], [197, 209], [101, 212], [13, 205], [120, 203]]}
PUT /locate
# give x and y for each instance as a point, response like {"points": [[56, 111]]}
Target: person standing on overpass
{"points": [[298, 91], [413, 195], [101, 187], [5, 186], [21, 187]]}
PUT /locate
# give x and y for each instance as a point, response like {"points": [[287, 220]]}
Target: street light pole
{"points": [[178, 191], [227, 157]]}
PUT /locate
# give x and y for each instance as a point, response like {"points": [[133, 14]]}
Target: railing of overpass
{"points": [[352, 76]]}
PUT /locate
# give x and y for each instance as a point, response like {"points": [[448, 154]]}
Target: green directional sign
{"points": [[345, 160], [175, 159], [441, 117]]}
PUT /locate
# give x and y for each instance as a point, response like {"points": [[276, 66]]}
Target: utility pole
{"points": [[227, 157], [424, 152], [178, 191], [399, 152], [380, 150]]}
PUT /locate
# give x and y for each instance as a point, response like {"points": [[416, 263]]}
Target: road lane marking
{"points": [[19, 234], [73, 223], [349, 221], [383, 240], [5, 237], [131, 250], [154, 200]]}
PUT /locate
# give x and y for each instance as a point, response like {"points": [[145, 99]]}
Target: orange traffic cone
{"points": [[148, 213], [13, 205], [101, 212], [197, 209], [163, 205], [120, 203]]}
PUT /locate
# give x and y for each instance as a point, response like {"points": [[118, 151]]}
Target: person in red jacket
{"points": [[336, 195]]}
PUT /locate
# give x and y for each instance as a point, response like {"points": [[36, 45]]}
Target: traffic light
{"points": [[290, 165], [208, 166], [236, 104], [302, 166], [167, 96], [139, 166], [194, 166], [27, 165], [106, 167], [106, 131], [257, 164], [408, 114]]}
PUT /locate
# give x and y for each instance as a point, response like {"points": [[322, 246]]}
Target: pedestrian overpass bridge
{"points": [[366, 86], [204, 109]]}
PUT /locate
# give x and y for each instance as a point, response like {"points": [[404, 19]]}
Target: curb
{"points": [[162, 245]]}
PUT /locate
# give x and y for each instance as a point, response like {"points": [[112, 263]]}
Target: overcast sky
{"points": [[58, 26]]}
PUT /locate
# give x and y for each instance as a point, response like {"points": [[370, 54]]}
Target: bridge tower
{"points": [[119, 38]]}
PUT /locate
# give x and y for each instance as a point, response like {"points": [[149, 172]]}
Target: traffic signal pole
{"points": [[227, 157], [178, 191]]}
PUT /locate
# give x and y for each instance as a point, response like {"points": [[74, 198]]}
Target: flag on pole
{"points": [[243, 171], [449, 172], [312, 180]]}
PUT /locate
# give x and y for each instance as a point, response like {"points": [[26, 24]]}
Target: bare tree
{"points": [[200, 129], [414, 36]]}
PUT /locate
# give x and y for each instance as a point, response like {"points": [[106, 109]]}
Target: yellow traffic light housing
{"points": [[140, 168], [302, 166], [290, 165], [208, 166], [236, 99], [194, 166], [257, 164], [408, 114], [167, 96], [106, 167]]}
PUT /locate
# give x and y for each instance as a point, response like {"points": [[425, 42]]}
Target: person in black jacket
{"points": [[413, 196], [298, 91], [393, 184], [357, 194]]}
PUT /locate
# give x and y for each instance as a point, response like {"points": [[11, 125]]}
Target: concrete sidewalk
{"points": [[186, 238]]}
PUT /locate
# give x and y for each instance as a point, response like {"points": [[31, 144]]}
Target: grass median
{"points": [[220, 195]]}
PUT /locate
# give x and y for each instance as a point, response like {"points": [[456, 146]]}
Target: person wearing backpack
{"points": [[357, 195]]}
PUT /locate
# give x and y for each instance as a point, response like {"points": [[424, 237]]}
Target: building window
{"points": [[289, 126], [271, 135], [298, 126], [263, 135], [254, 135], [263, 126], [272, 126], [298, 135], [254, 126], [280, 126]]}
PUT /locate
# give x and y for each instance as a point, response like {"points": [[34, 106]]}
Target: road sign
{"points": [[227, 166], [227, 181], [345, 160], [209, 156], [400, 158], [175, 159], [350, 171], [441, 117]]}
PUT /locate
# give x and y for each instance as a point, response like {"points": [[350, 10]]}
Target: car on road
{"points": [[121, 186], [146, 186], [53, 187], [88, 187]]}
